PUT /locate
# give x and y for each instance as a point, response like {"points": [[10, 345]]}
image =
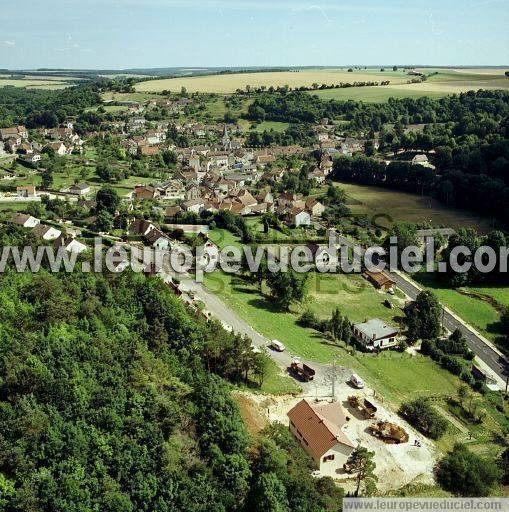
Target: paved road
{"points": [[482, 350], [224, 313]]}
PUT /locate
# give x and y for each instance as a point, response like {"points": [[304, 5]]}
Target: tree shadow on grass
{"points": [[266, 304], [243, 288], [495, 328]]}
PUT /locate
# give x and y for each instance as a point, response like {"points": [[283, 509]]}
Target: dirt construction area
{"points": [[396, 464]]}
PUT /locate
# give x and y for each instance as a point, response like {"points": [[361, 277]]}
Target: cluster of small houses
{"points": [[219, 178], [48, 233], [63, 140], [292, 209]]}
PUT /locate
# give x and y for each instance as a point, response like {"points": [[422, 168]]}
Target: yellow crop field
{"points": [[228, 83], [446, 81], [37, 83]]}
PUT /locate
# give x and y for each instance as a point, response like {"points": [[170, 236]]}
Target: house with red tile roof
{"points": [[321, 429]]}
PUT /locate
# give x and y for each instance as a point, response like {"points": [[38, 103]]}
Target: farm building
{"points": [[379, 280], [320, 430]]}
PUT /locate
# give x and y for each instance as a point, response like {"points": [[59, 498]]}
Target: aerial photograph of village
{"points": [[254, 255]]}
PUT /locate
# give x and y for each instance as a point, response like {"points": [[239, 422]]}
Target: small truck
{"points": [[302, 371]]}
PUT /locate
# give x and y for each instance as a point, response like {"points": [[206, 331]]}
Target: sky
{"points": [[121, 34]]}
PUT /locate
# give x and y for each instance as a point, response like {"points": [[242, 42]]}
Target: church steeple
{"points": [[226, 141]]}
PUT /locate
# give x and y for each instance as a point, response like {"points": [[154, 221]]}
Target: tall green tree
{"points": [[466, 474], [424, 317], [269, 494], [107, 199], [361, 462]]}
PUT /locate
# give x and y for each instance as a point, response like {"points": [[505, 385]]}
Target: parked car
{"points": [[277, 346], [356, 381]]}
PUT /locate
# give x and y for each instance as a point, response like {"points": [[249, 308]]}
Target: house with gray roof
{"points": [[376, 334]]}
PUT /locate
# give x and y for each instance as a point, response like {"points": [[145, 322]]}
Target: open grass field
{"points": [[217, 108], [400, 206], [263, 126], [499, 293], [110, 109], [13, 207], [478, 313], [127, 96], [352, 294], [224, 238], [397, 377], [228, 83]]}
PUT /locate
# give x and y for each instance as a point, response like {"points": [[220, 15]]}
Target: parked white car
{"points": [[356, 381], [277, 346]]}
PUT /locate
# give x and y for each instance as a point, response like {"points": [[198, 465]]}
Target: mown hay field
{"points": [[390, 206]]}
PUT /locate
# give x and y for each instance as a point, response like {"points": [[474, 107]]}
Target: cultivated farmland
{"points": [[228, 83], [444, 82], [37, 82]]}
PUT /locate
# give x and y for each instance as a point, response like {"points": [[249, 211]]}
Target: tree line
{"points": [[298, 106], [485, 192]]}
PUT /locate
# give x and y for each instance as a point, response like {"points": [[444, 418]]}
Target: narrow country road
{"points": [[223, 312]]}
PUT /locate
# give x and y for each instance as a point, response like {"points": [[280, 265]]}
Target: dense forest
{"points": [[39, 108], [114, 397], [303, 107]]}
